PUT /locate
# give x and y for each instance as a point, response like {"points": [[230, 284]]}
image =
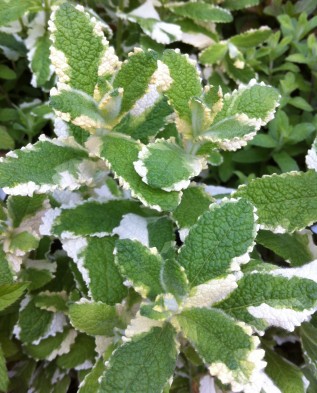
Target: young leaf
{"points": [[284, 203], [219, 242], [45, 166], [281, 297], [163, 164], [93, 318], [144, 364], [214, 53], [186, 85], [228, 348], [251, 38], [120, 153]]}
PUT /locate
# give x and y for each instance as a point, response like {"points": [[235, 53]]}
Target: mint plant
{"points": [[96, 289]]}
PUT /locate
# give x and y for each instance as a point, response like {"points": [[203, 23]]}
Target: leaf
{"points": [[40, 64], [195, 201], [94, 318], [14, 9], [81, 355], [95, 261], [6, 276], [186, 85], [44, 166], [21, 207], [251, 38], [6, 141], [163, 164], [285, 375], [10, 293], [4, 378], [281, 297], [240, 4], [12, 46], [219, 242], [228, 348], [201, 11], [84, 219], [80, 52], [91, 384], [135, 76], [284, 203], [308, 337], [300, 103], [214, 53], [52, 301], [7, 73], [140, 265], [77, 107], [294, 248], [120, 153], [150, 356]]}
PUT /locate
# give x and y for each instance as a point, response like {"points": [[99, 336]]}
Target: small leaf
{"points": [[6, 141], [251, 38], [7, 73], [214, 53], [240, 4], [201, 11]]}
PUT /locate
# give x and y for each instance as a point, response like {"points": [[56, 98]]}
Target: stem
{"points": [[119, 30]]}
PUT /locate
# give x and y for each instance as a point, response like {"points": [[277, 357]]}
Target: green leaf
{"points": [[282, 297], [308, 337], [264, 140], [4, 379], [7, 73], [135, 76], [286, 202], [214, 53], [120, 153], [251, 38], [84, 219], [40, 62], [41, 167], [294, 247], [143, 364], [140, 265], [9, 293], [300, 103], [195, 201], [82, 354], [12, 10], [6, 276], [52, 301], [20, 207], [77, 107], [91, 382], [12, 46], [95, 261], [80, 52], [33, 322], [240, 4], [161, 235], [163, 164], [6, 141], [201, 11], [285, 375], [186, 85], [94, 318], [228, 348], [219, 242]]}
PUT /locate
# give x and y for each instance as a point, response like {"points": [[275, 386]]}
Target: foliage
{"points": [[121, 267]]}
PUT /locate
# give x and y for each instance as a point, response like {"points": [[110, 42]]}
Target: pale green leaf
{"points": [[9, 293], [240, 4], [286, 202], [52, 301], [6, 141], [121, 152], [251, 38], [40, 62], [219, 242], [94, 318], [91, 382], [163, 164], [143, 364], [228, 348], [213, 53]]}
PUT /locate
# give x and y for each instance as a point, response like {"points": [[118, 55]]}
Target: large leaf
{"points": [[286, 202], [228, 348], [142, 365], [219, 242]]}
